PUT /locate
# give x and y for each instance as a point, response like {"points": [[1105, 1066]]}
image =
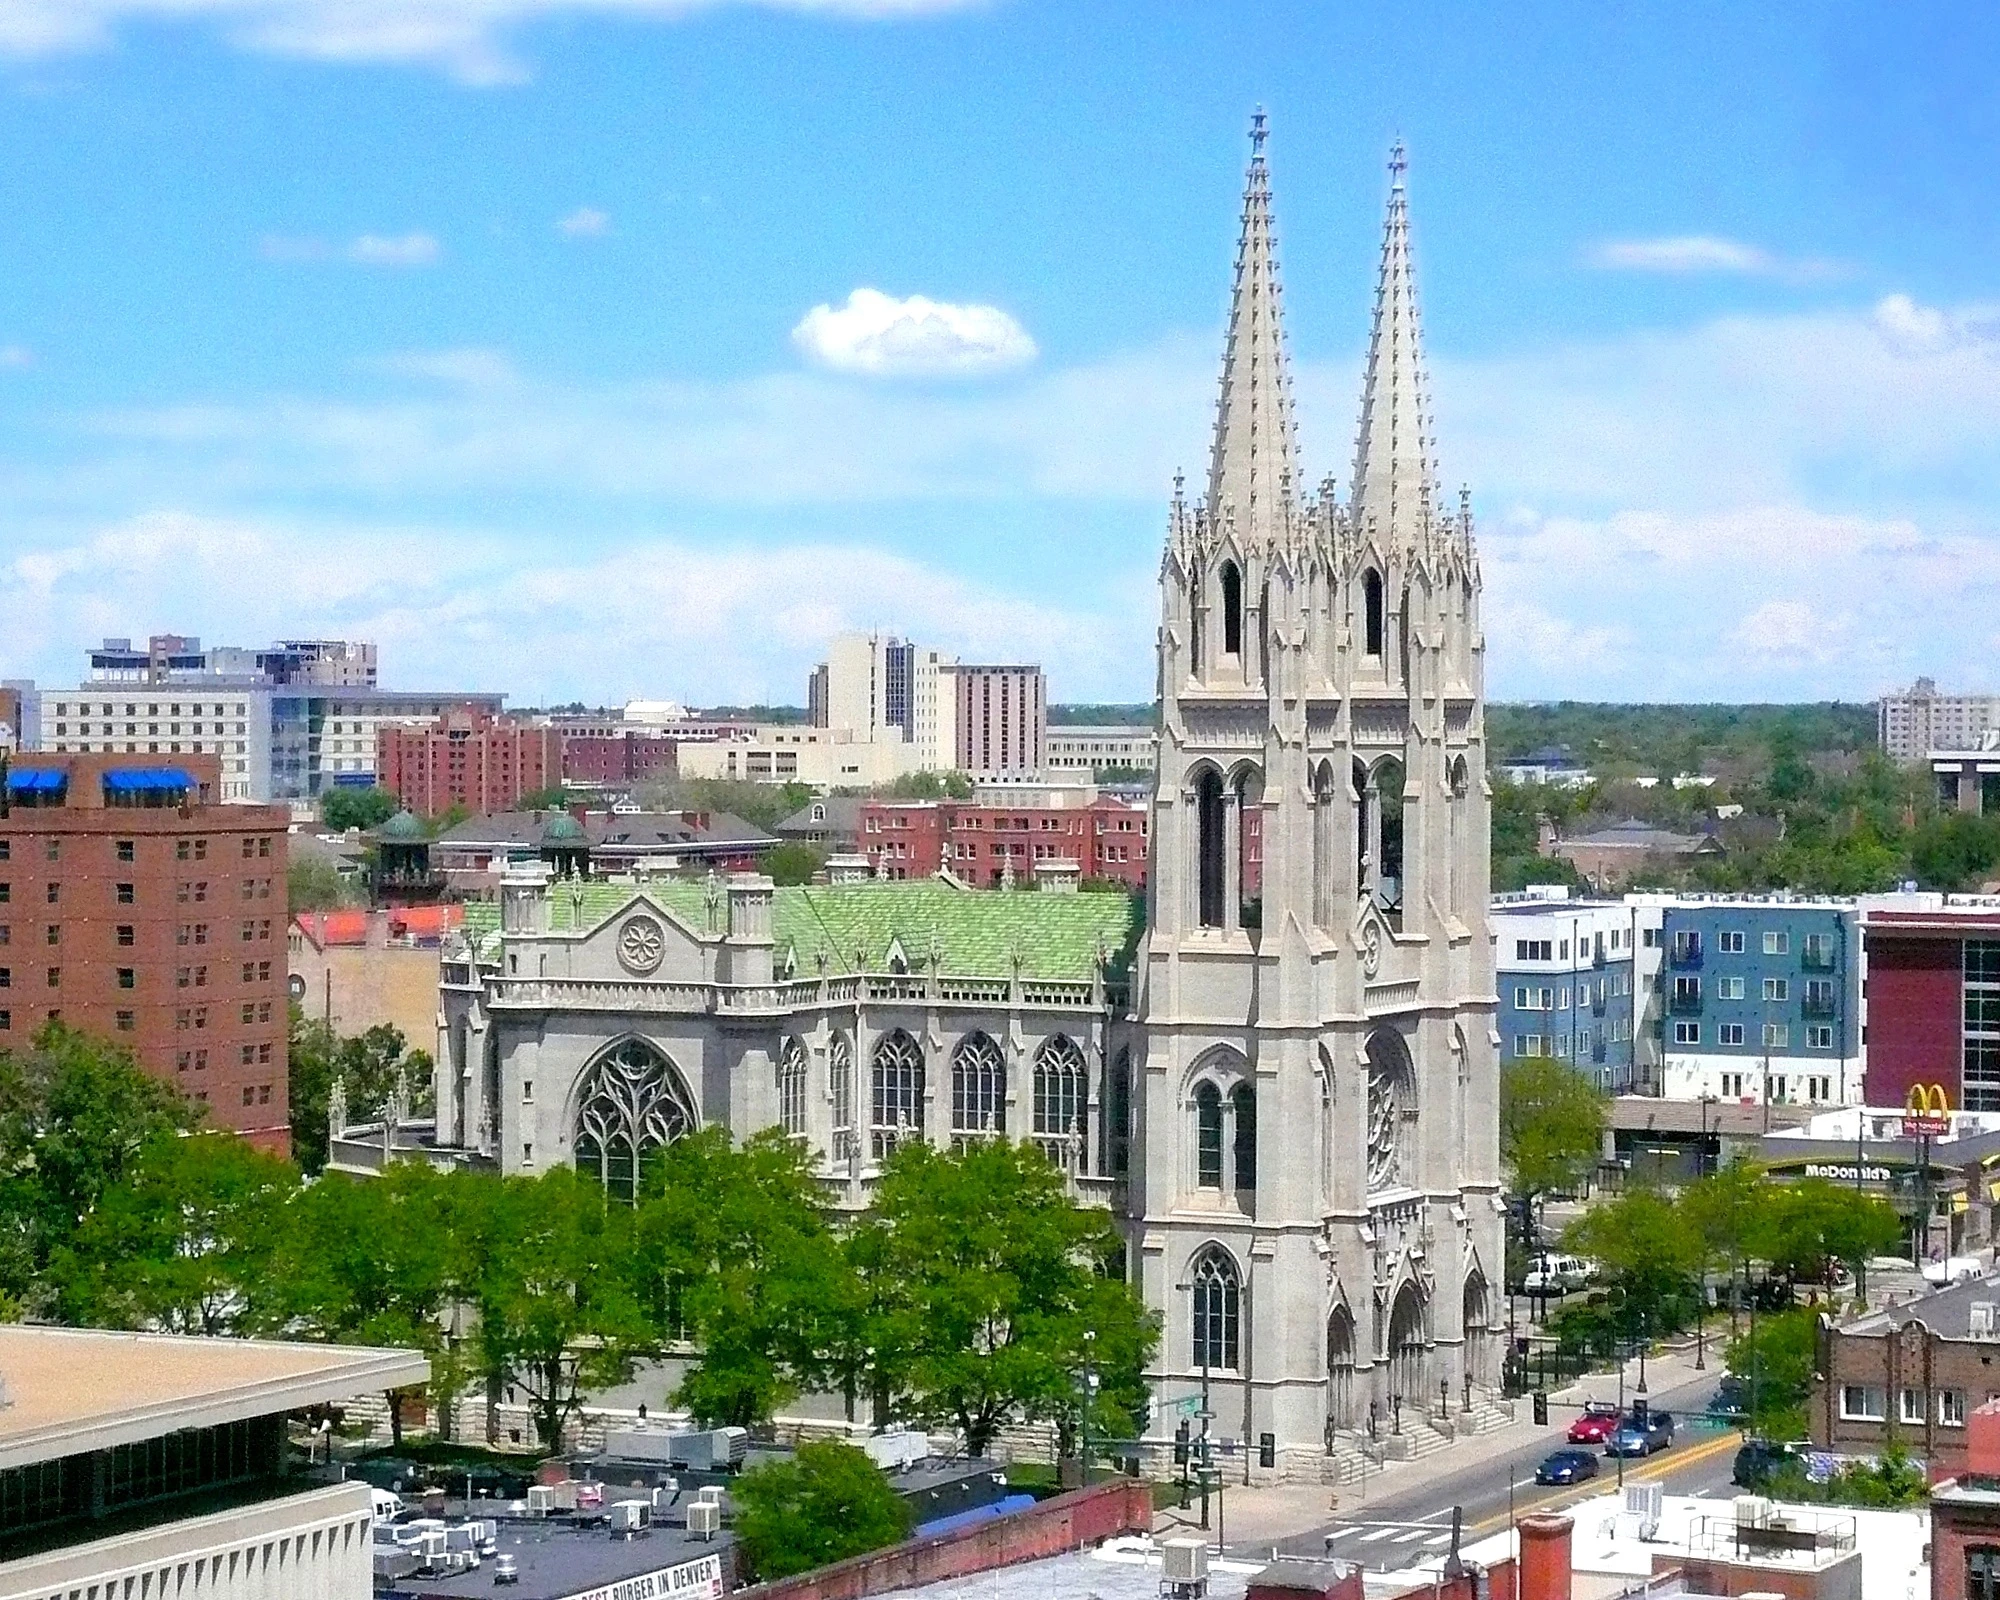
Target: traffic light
{"points": [[1541, 1408], [1639, 1411], [1181, 1445], [1267, 1449]]}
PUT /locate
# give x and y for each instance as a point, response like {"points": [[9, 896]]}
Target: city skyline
{"points": [[641, 352]]}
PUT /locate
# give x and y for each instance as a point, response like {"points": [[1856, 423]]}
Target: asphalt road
{"points": [[1409, 1519]]}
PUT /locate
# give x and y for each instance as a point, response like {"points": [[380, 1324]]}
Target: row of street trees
{"points": [[972, 1295]]}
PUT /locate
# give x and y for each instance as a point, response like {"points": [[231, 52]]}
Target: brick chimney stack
{"points": [[1545, 1570]]}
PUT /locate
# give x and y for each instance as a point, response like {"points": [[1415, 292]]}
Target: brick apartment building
{"points": [[133, 906], [1002, 719], [612, 760], [469, 758], [913, 839], [1933, 999]]}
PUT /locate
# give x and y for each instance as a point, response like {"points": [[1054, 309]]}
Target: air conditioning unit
{"points": [[541, 1499], [1183, 1561], [629, 1516], [709, 1494], [1752, 1511], [1645, 1501], [1981, 1315], [704, 1519], [895, 1452]]}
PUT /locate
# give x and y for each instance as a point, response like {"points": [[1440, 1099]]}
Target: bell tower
{"points": [[1316, 1207]]}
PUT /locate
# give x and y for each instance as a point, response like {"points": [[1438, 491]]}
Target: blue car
{"points": [[1633, 1437], [1567, 1466]]}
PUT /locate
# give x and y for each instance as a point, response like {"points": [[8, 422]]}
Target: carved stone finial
{"points": [[336, 1108]]}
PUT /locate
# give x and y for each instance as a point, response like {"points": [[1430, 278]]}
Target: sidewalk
{"points": [[1267, 1516]]}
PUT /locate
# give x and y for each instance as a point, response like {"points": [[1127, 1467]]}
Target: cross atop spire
{"points": [[1252, 471], [1392, 474]]}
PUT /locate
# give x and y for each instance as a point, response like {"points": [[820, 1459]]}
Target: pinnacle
{"points": [[1392, 472]]}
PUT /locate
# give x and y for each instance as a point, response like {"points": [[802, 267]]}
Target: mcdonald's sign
{"points": [[1926, 1111]]}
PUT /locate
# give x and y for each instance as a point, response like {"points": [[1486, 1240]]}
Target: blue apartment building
{"points": [[1759, 1000], [1565, 972]]}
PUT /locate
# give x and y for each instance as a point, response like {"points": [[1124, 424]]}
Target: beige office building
{"points": [[1919, 720]]}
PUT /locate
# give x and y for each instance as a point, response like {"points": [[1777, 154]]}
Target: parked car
{"points": [[1755, 1463], [1595, 1425], [1633, 1437], [1731, 1399], [1555, 1274], [1567, 1466], [1953, 1269]]}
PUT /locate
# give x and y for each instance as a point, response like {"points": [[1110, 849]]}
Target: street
{"points": [[1404, 1515]]}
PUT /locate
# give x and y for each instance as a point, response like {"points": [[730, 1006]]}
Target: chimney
{"points": [[1544, 1572], [1982, 1441]]}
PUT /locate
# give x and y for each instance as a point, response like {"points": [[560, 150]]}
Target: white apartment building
{"points": [[232, 723], [1095, 749], [826, 758], [1919, 720]]}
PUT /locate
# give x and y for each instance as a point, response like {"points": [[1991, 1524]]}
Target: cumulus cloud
{"points": [[881, 336], [585, 222], [471, 41], [400, 250]]}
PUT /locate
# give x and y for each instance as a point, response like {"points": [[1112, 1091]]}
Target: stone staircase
{"points": [[1355, 1454]]}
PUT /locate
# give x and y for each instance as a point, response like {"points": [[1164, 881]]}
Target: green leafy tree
{"points": [[367, 1065], [733, 1251], [1552, 1121], [182, 1243], [557, 1315], [1775, 1356], [826, 1504], [76, 1114], [315, 884], [342, 808], [555, 799], [792, 863], [1723, 1209], [1646, 1249], [1805, 1228], [999, 1270]]}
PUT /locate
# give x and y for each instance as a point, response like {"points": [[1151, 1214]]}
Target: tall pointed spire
{"points": [[1391, 489], [1254, 467]]}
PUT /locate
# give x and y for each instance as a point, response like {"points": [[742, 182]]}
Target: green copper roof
{"points": [[405, 827], [563, 829], [978, 931]]}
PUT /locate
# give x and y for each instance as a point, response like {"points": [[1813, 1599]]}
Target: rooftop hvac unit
{"points": [[704, 1519], [898, 1451], [664, 1493], [730, 1446], [629, 1516], [709, 1494], [639, 1444], [1752, 1511], [1183, 1561], [541, 1499], [1645, 1501], [1981, 1313]]}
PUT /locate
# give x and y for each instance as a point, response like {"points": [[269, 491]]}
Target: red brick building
{"points": [[1934, 1003], [914, 838], [133, 907], [468, 758], [609, 760]]}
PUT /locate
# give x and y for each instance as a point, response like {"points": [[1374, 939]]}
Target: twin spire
{"points": [[1253, 472]]}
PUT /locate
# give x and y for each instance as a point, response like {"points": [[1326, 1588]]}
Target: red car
{"points": [[1598, 1422]]}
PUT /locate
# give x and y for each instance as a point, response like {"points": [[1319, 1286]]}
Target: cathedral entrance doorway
{"points": [[1340, 1369], [1475, 1325], [1409, 1367]]}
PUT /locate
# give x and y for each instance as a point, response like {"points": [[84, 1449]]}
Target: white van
{"points": [[1554, 1274]]}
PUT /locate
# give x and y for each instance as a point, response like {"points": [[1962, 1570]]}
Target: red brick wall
{"points": [[190, 905], [1106, 840], [467, 759], [1954, 1530], [1915, 1027], [1068, 1522]]}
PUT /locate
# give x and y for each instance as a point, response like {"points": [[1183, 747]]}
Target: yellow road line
{"points": [[1659, 1467]]}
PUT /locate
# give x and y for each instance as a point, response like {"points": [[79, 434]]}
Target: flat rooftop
{"points": [[77, 1389], [557, 1557]]}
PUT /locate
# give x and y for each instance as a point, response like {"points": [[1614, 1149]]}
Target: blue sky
{"points": [[487, 328]]}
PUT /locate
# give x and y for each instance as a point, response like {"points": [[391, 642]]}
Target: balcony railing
{"points": [[1685, 1002], [1817, 958], [1826, 1005], [1685, 955]]}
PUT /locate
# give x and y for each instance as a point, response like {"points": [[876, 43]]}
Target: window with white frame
{"points": [[1730, 941], [1951, 1407], [1777, 1035], [1777, 989], [1819, 1036], [1819, 1088], [1861, 1402], [1777, 942], [1911, 1408], [1729, 1033], [1527, 1044], [1732, 1085], [1687, 1033], [1729, 988]]}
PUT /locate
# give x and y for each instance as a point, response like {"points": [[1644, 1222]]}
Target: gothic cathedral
{"points": [[1316, 1209]]}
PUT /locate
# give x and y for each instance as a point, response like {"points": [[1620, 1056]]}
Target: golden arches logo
{"points": [[1927, 1100]]}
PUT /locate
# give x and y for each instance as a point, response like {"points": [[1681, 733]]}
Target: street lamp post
{"points": [[1089, 1395], [1205, 1469]]}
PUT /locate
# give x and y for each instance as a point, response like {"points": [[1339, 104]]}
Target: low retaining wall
{"points": [[1067, 1522]]}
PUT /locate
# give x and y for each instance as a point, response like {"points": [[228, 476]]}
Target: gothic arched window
{"points": [[1061, 1097], [1115, 1125], [1208, 1136], [896, 1103], [1243, 1102], [1392, 1108], [792, 1088], [1211, 848], [978, 1088], [1232, 610], [840, 1090], [1218, 1308], [1371, 608], [630, 1105]]}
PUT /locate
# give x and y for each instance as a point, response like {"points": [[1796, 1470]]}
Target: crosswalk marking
{"points": [[1414, 1533], [1340, 1533], [1376, 1533]]}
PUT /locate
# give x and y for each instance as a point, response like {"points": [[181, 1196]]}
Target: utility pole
{"points": [[1089, 1396]]}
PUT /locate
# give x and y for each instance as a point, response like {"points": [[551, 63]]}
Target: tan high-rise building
{"points": [[1316, 1203], [1920, 720]]}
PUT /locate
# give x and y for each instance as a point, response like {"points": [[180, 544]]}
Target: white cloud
{"points": [[16, 356], [402, 250], [1793, 633], [1701, 253], [882, 336], [469, 40], [585, 222]]}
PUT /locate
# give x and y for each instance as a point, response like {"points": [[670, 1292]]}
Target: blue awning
{"points": [[121, 779], [37, 780]]}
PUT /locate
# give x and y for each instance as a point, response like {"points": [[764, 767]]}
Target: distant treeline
{"points": [[1661, 740]]}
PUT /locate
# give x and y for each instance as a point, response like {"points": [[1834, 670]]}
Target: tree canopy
{"points": [[367, 1065], [1552, 1121], [342, 808], [826, 1504]]}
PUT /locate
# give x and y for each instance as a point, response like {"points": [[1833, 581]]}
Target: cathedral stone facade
{"points": [[1316, 1196], [1286, 1085]]}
